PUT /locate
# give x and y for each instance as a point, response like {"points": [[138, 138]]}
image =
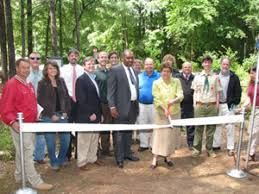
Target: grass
{"points": [[6, 143]]}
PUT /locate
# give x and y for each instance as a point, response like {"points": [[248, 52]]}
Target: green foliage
{"points": [[6, 143]]}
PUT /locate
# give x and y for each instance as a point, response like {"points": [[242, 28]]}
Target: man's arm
{"points": [[111, 92], [8, 112]]}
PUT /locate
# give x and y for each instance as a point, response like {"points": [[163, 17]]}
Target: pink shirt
{"points": [[250, 93]]}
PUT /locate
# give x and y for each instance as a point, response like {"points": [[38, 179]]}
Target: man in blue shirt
{"points": [[146, 109], [34, 77]]}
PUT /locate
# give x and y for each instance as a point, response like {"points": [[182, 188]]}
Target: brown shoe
{"points": [[84, 167], [43, 187], [99, 163]]}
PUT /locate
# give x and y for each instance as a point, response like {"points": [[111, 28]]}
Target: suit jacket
{"points": [[118, 93], [187, 103], [47, 97], [88, 101]]}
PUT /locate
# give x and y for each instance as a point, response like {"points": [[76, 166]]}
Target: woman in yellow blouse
{"points": [[168, 94]]}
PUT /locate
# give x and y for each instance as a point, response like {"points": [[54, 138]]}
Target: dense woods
{"points": [[184, 28]]}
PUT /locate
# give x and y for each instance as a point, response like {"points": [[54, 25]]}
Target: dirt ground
{"points": [[188, 176]]}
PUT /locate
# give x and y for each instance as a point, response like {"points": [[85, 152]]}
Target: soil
{"points": [[202, 175]]}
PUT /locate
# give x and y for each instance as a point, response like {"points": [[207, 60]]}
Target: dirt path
{"points": [[195, 176]]}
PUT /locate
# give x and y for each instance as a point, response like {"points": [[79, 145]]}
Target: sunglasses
{"points": [[35, 58]]}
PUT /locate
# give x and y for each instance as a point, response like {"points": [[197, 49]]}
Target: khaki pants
{"points": [[30, 172], [204, 111], [87, 144]]}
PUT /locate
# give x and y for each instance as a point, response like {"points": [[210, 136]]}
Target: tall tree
{"points": [[4, 61], [47, 36], [53, 28], [60, 28], [10, 39], [77, 28], [29, 26], [22, 28]]}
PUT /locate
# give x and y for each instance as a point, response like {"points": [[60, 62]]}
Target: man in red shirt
{"points": [[19, 96]]}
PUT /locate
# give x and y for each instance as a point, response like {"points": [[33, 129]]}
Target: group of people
{"points": [[113, 93]]}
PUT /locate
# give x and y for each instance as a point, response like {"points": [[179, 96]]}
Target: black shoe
{"points": [[169, 163], [216, 148], [132, 158], [120, 164], [141, 149]]}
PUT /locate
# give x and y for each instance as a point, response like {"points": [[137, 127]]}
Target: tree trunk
{"points": [[77, 35], [10, 40], [60, 28], [22, 28], [47, 37], [53, 28], [29, 26], [4, 61]]}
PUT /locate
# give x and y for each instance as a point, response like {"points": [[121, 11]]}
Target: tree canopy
{"points": [[184, 28]]}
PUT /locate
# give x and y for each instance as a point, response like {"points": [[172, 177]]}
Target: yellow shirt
{"points": [[163, 93], [203, 95]]}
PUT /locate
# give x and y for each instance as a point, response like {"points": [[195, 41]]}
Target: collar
{"points": [[101, 69], [91, 75], [204, 73], [18, 78], [152, 74], [225, 74]]}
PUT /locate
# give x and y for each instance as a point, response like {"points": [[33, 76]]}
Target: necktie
{"points": [[74, 83], [206, 84], [132, 79]]}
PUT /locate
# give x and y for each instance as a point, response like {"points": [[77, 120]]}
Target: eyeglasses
{"points": [[35, 58]]}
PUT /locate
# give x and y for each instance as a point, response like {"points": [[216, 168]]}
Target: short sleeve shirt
{"points": [[198, 85]]}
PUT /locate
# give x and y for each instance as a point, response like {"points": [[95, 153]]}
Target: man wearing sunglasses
{"points": [[34, 77]]}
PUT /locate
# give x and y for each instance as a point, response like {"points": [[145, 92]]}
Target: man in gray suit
{"points": [[122, 98]]}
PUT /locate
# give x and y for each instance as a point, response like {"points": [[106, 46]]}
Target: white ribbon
{"points": [[84, 127]]}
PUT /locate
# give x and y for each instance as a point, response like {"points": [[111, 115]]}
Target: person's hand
{"points": [[92, 117], [166, 111], [64, 115], [54, 118], [171, 102], [114, 112], [15, 125]]}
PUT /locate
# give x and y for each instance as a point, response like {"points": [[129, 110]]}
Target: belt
{"points": [[222, 102], [207, 104], [146, 103]]}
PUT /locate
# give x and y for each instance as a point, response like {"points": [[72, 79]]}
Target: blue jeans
{"points": [[40, 144], [50, 137]]}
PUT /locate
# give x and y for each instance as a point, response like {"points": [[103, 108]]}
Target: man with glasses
{"points": [[34, 77]]}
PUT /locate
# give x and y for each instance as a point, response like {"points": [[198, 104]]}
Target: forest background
{"points": [[187, 29]]}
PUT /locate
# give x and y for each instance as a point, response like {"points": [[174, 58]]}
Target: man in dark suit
{"points": [[88, 111], [122, 98], [187, 110]]}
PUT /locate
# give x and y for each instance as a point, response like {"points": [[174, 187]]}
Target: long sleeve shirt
{"points": [[18, 96], [66, 72]]}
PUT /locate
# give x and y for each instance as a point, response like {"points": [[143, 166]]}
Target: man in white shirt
{"points": [[70, 73], [122, 98]]}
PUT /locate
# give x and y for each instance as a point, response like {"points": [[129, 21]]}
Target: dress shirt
{"points": [[92, 77], [66, 72], [133, 89]]}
